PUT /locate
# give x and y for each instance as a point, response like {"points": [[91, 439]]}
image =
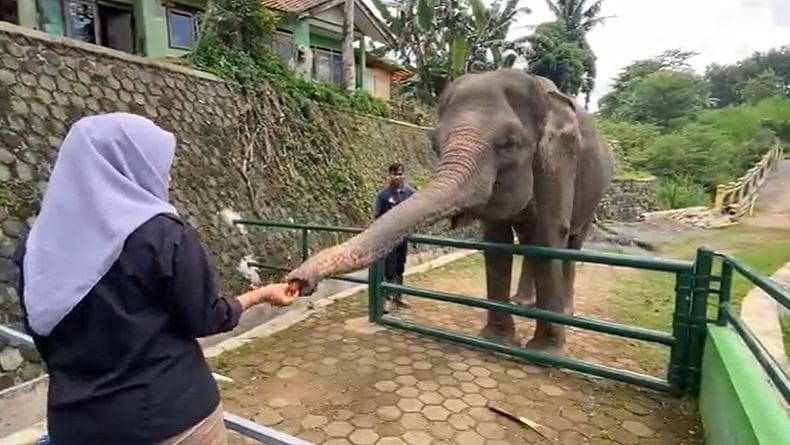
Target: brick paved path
{"points": [[332, 380]]}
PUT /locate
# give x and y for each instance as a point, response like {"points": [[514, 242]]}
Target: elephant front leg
{"points": [[553, 295], [499, 325]]}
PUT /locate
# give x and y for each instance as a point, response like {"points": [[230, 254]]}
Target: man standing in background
{"points": [[396, 192]]}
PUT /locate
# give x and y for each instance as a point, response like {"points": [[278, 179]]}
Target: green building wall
{"points": [[151, 33]]}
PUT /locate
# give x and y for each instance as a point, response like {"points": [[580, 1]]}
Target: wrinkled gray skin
{"points": [[517, 155]]}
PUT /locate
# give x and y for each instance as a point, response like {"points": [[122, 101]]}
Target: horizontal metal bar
{"points": [[268, 266], [261, 433], [233, 422], [348, 278], [534, 355], [540, 314], [768, 285], [611, 259], [288, 225], [769, 364], [15, 337]]}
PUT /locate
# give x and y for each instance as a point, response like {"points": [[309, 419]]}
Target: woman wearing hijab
{"points": [[116, 288]]}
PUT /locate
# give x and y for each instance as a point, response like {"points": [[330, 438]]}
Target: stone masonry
{"points": [[627, 199]]}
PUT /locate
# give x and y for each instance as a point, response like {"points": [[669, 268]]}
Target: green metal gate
{"points": [[694, 282]]}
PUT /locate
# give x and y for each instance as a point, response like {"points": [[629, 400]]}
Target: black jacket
{"points": [[124, 364]]}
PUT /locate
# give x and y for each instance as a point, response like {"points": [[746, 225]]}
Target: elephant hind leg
{"points": [[525, 294]]}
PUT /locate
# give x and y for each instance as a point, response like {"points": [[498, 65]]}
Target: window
{"points": [[328, 65], [283, 44], [369, 82], [182, 25], [81, 22], [8, 11], [116, 28], [50, 17], [100, 22]]}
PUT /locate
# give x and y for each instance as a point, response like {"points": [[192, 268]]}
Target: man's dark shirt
{"points": [[389, 198], [124, 364]]}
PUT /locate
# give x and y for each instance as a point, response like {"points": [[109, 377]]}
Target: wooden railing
{"points": [[737, 198]]}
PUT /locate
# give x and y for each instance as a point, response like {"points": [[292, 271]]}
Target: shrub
{"points": [[680, 192]]}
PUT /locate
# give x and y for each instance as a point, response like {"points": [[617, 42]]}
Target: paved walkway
{"points": [[772, 209], [333, 380]]}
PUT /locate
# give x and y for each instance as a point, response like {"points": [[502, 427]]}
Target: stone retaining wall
{"points": [[627, 199]]}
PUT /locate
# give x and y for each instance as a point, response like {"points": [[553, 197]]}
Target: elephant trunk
{"points": [[463, 178]]}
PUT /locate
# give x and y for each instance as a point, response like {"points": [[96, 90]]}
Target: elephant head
{"points": [[494, 130]]}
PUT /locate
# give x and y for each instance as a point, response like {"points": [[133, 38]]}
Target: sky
{"points": [[722, 31]]}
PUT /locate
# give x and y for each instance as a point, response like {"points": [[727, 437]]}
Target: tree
{"points": [[443, 39], [663, 98], [490, 48], [728, 81], [554, 56], [673, 59], [349, 74], [764, 85], [577, 19]]}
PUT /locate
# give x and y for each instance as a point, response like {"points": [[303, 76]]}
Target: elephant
{"points": [[517, 155]]}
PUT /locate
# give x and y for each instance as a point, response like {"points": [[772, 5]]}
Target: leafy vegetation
{"points": [[235, 43], [670, 125], [646, 299], [761, 75], [569, 48], [442, 39]]}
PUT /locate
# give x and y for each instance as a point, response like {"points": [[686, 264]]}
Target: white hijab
{"points": [[110, 177]]}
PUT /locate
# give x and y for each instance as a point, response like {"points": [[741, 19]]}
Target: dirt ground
{"points": [[332, 380]]}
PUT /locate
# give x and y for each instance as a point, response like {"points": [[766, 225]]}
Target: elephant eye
{"points": [[505, 142]]}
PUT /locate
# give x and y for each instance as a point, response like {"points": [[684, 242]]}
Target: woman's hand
{"points": [[276, 294], [279, 294]]}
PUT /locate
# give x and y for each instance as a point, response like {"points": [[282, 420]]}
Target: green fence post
{"points": [[375, 277], [678, 357], [725, 291], [703, 266], [305, 244]]}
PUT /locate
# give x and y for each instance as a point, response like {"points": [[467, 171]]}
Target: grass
{"points": [[785, 323], [646, 299]]}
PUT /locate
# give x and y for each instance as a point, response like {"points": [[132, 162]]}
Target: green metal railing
{"points": [[727, 315], [688, 323], [304, 242]]}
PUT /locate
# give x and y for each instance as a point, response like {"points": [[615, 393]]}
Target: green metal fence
{"points": [[694, 284], [726, 315], [688, 323]]}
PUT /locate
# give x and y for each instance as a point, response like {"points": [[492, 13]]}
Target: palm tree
{"points": [[577, 18], [443, 39], [490, 47]]}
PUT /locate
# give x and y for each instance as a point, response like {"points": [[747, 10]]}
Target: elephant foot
{"points": [[523, 300], [549, 345], [500, 333]]}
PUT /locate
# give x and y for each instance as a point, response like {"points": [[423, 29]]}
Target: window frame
{"points": [[332, 53], [97, 22], [67, 23], [182, 10]]}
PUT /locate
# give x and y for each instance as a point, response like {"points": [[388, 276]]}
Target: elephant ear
{"points": [[560, 139]]}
